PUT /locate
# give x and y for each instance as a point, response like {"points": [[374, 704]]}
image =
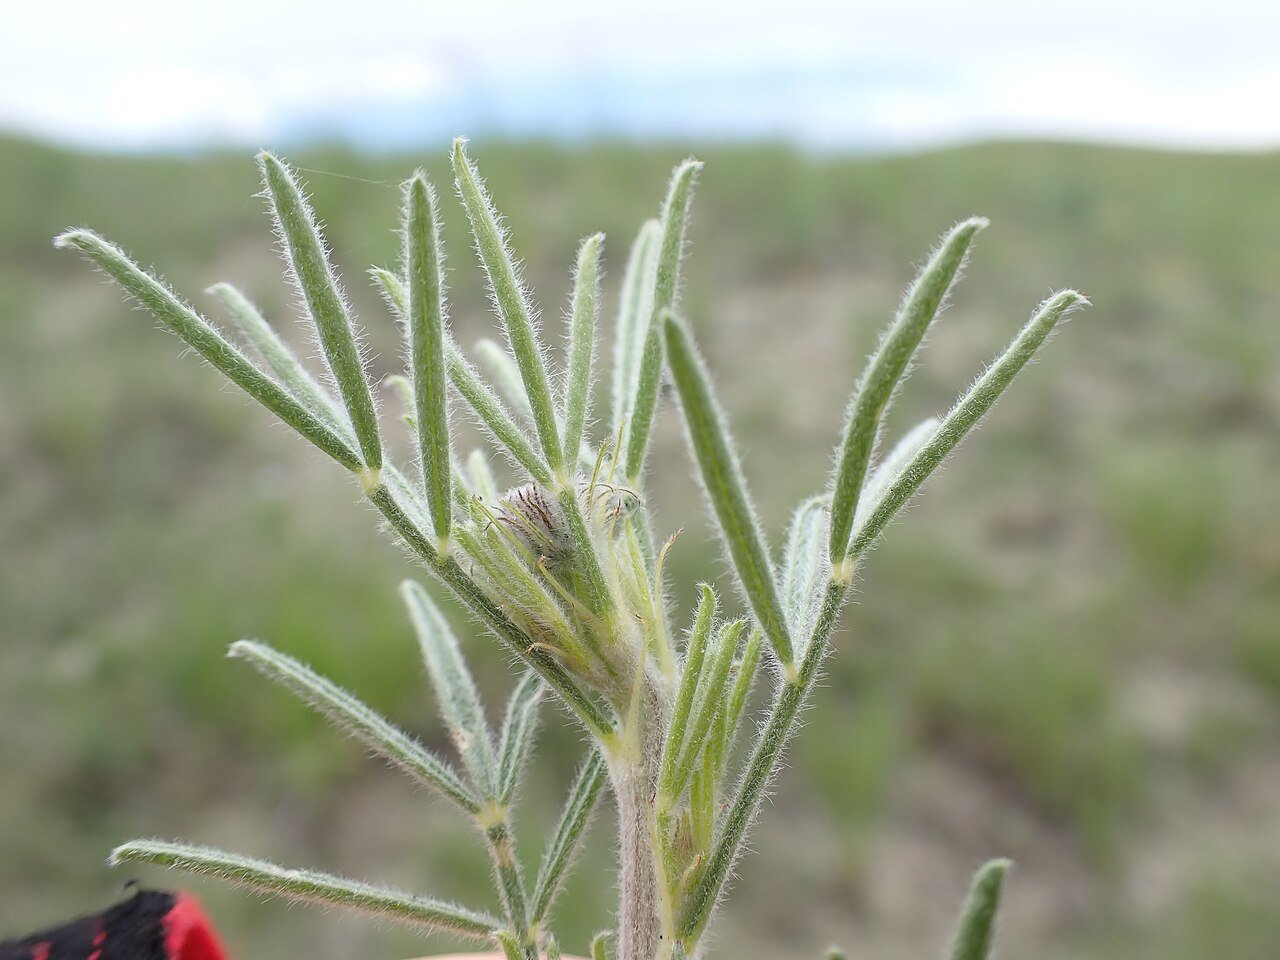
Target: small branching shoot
{"points": [[548, 541]]}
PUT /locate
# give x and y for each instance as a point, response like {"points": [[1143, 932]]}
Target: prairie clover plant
{"points": [[565, 568]]}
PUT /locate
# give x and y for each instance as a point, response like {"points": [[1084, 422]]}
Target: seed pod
{"points": [[532, 515]]}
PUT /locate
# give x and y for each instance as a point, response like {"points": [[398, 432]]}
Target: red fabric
{"points": [[188, 935]]}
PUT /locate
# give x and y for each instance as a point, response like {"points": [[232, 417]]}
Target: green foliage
{"points": [[726, 488], [309, 886], [425, 332], [883, 374], [316, 280], [568, 834], [562, 569], [454, 689], [663, 285], [207, 341], [976, 930], [582, 344], [357, 720], [512, 304], [1025, 703]]}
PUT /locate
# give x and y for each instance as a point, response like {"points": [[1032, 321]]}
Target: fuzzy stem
{"points": [[633, 771], [638, 927], [506, 871]]}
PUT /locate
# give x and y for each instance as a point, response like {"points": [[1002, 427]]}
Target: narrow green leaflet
{"points": [[510, 946], [494, 417], [510, 299], [459, 703], [486, 405], [965, 415], [976, 932], [885, 370], [703, 895], [357, 720], [710, 702], [316, 280], [280, 359], [569, 834], [518, 731], [309, 886], [587, 570], [726, 489], [395, 294], [742, 683], [207, 341], [425, 332], [582, 344], [634, 310], [502, 370], [408, 494], [481, 477], [803, 563], [666, 285], [728, 722], [887, 470], [702, 790], [687, 689]]}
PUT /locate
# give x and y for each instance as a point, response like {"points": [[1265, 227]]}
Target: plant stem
{"points": [[638, 927], [633, 771], [506, 870]]}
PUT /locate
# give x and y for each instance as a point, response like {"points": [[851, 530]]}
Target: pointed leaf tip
{"points": [[358, 720], [69, 238], [976, 932]]}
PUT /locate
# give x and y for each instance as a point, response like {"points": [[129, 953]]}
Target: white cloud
{"points": [[140, 73]]}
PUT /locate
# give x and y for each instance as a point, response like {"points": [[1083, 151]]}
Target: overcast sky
{"points": [[139, 74]]}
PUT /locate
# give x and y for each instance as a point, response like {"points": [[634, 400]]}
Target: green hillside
{"points": [[1068, 652]]}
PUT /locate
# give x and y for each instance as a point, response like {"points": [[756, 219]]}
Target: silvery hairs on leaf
{"points": [[563, 570]]}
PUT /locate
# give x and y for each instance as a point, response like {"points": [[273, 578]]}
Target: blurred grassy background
{"points": [[1067, 653]]}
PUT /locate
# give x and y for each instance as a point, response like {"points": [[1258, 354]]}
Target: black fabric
{"points": [[132, 930]]}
